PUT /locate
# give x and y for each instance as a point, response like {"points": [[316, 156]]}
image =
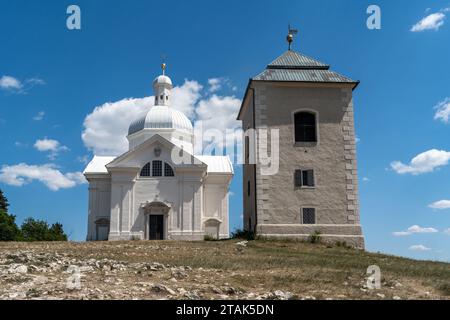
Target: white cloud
{"points": [[415, 229], [419, 247], [218, 114], [20, 144], [441, 204], [35, 81], [365, 179], [423, 163], [10, 83], [51, 146], [218, 84], [215, 84], [22, 174], [105, 129], [46, 145], [443, 110], [83, 159], [185, 97], [15, 85], [40, 115], [431, 22], [447, 231]]}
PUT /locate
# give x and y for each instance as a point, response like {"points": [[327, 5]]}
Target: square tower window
{"points": [[304, 178]]}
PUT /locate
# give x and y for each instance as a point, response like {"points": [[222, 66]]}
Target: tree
{"points": [[34, 230], [3, 202], [57, 232], [8, 228], [38, 230]]}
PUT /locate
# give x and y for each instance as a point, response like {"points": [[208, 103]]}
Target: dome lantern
{"points": [[163, 120], [162, 87]]}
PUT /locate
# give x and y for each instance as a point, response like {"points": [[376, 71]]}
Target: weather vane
{"points": [[290, 36]]}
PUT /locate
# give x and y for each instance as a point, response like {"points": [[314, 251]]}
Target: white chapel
{"points": [[159, 189]]}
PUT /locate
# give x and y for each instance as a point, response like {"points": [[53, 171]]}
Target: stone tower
{"points": [[315, 189]]}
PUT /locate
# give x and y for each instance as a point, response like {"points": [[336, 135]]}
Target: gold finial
{"points": [[163, 67], [290, 36]]}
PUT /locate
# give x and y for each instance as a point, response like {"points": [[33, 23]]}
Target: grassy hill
{"points": [[212, 270]]}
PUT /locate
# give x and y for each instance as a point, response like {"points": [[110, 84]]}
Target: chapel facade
{"points": [[159, 189]]}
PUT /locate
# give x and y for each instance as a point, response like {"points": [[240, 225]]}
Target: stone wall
{"points": [[333, 159]]}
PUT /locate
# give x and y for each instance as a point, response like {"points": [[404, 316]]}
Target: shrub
{"points": [[342, 244], [243, 234], [315, 237], [208, 237]]}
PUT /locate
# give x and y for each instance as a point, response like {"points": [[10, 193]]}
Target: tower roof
{"points": [[294, 60], [293, 66], [296, 67]]}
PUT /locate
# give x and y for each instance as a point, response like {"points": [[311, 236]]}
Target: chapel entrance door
{"points": [[156, 227]]}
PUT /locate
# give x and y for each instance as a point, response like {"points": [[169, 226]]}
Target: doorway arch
{"points": [[156, 220]]}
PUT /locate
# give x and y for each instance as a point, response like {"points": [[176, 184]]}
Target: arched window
{"points": [[168, 171], [145, 172], [157, 168], [305, 127]]}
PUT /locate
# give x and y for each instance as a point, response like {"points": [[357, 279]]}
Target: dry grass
{"points": [[317, 270]]}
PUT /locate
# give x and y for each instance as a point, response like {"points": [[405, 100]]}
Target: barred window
{"points": [[309, 216], [305, 127], [145, 172], [168, 171], [157, 168], [304, 178]]}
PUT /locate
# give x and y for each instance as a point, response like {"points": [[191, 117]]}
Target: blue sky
{"points": [[53, 78]]}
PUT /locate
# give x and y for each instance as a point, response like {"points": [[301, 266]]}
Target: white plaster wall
{"points": [[216, 201], [99, 202], [146, 189]]}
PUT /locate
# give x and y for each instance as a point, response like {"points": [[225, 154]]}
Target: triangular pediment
{"points": [[128, 159]]}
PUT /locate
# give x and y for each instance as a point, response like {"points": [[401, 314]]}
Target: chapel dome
{"points": [[161, 117]]}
